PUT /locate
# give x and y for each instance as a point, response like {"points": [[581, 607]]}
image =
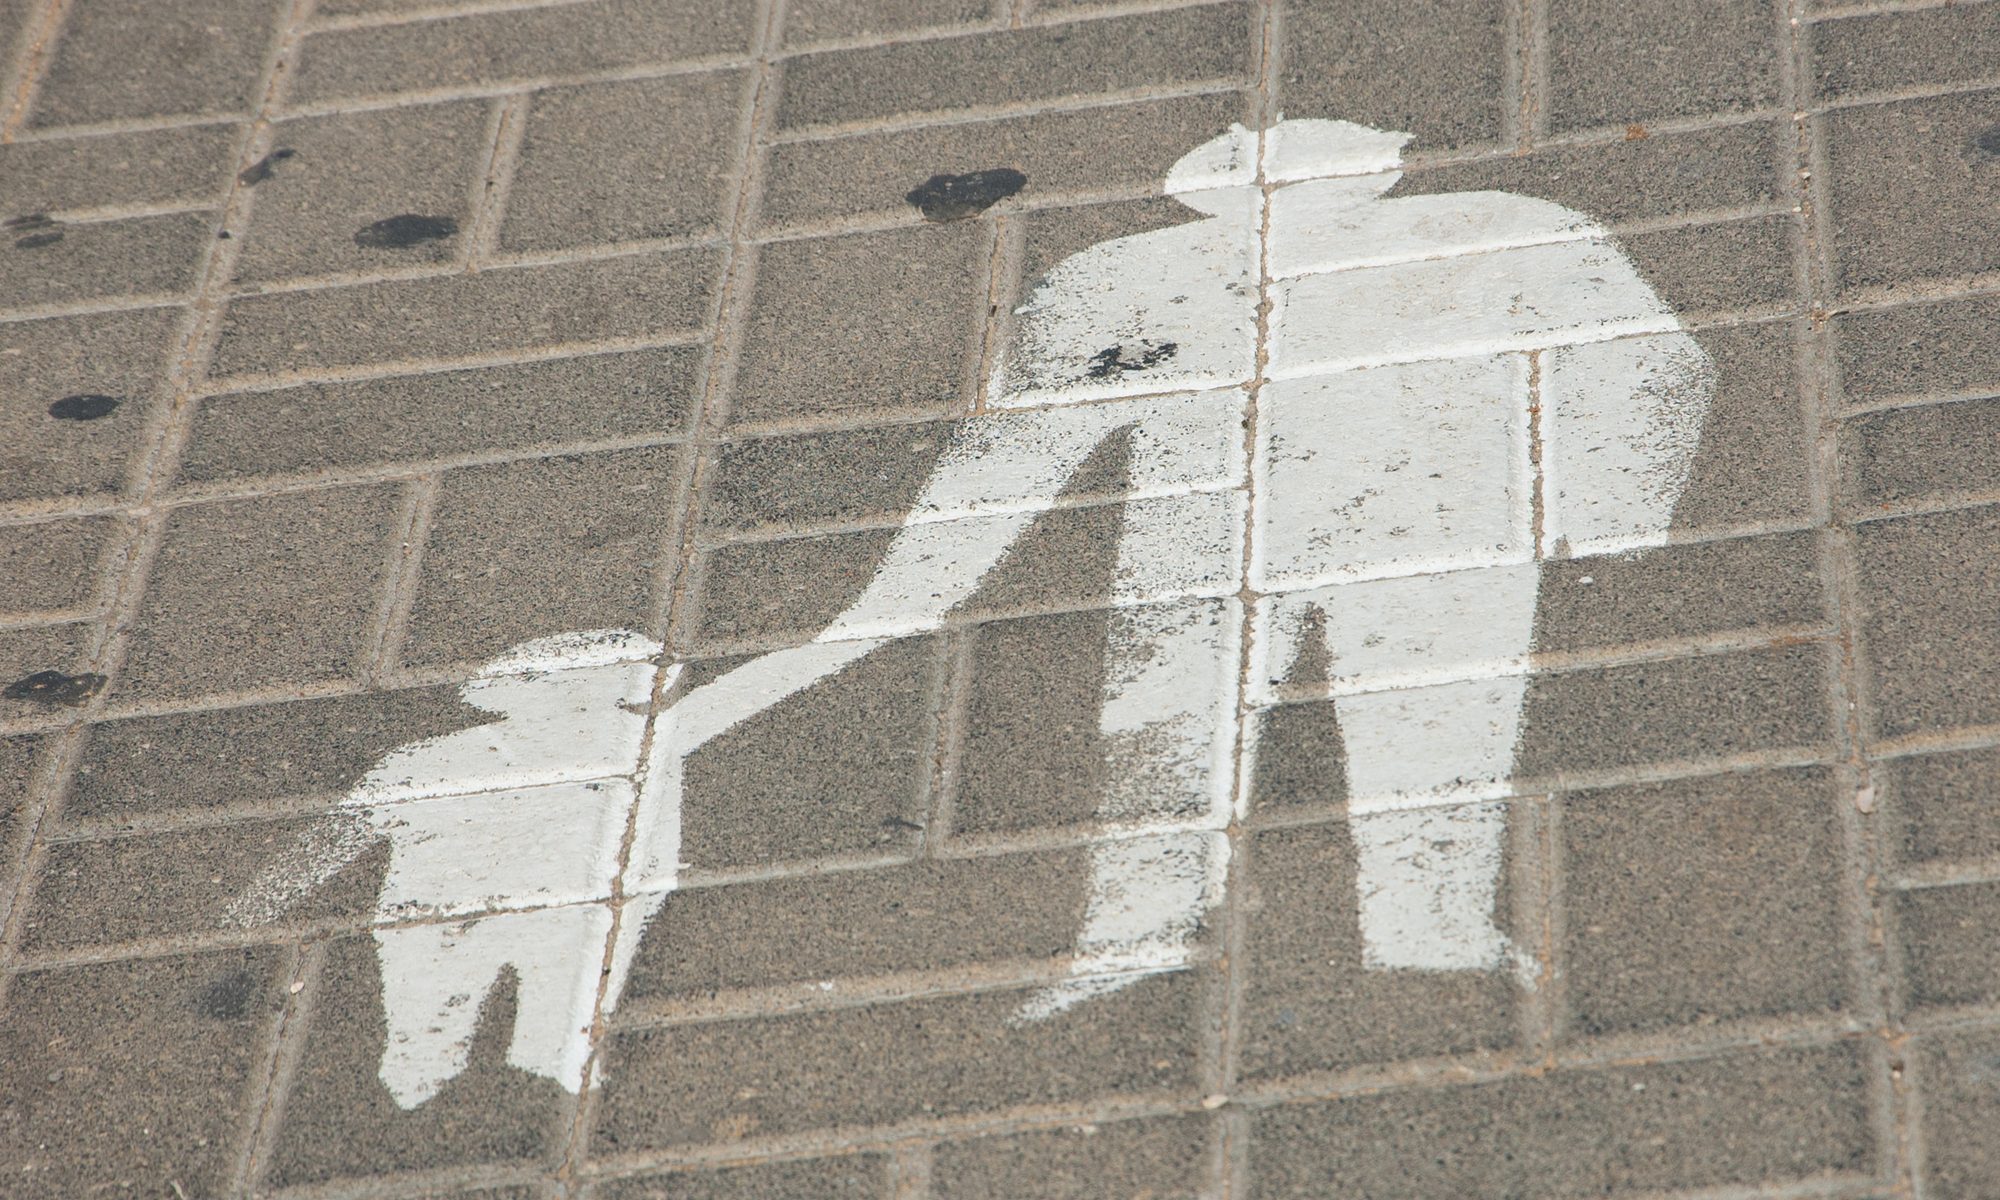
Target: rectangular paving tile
{"points": [[518, 308], [1034, 750], [1031, 755], [932, 1057], [1731, 267], [1657, 176], [858, 325], [809, 21], [134, 1075], [782, 589], [933, 915], [1313, 1003], [66, 364], [52, 566], [1161, 1158], [514, 408], [1960, 1107], [1923, 47], [1929, 649], [298, 754], [1701, 900], [1689, 708], [1726, 586], [71, 262], [334, 181], [615, 162], [1751, 464], [1359, 62], [119, 890], [1928, 453], [1913, 189], [842, 767], [340, 1121], [1944, 804], [1946, 961], [849, 1177], [879, 475], [1917, 350], [1052, 234], [585, 531], [802, 480], [188, 163], [1616, 62], [1207, 43], [1066, 558], [123, 59], [1737, 585], [1300, 757], [1665, 1127], [496, 48], [1060, 153], [256, 592]]}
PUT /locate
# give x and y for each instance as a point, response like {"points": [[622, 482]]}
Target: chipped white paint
{"points": [[1393, 471], [1397, 472], [1441, 371], [435, 976], [1144, 912], [1427, 879], [1171, 310], [1400, 632]]}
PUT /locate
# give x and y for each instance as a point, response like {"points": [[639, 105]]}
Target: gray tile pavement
{"points": [[346, 343]]}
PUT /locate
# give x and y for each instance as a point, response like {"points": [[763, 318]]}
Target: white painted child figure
{"points": [[1455, 387]]}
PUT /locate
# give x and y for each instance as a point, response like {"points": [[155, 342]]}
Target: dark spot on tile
{"points": [[1112, 362], [83, 407], [402, 232], [34, 231], [228, 997], [54, 688], [956, 197], [257, 172], [1987, 142]]}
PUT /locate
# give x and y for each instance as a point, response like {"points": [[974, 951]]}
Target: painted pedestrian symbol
{"points": [[1445, 392]]}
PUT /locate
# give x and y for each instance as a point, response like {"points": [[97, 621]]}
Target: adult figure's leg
{"points": [[1167, 727]]}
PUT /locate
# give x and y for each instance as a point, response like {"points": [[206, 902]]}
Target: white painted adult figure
{"points": [[1453, 388]]}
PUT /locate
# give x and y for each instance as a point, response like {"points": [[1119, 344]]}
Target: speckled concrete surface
{"points": [[345, 343]]}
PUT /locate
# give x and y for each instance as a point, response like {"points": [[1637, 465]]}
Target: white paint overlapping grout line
{"points": [[1159, 314]]}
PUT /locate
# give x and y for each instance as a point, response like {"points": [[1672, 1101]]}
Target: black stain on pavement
{"points": [[54, 688], [228, 998], [956, 197], [402, 232], [33, 231], [1112, 362], [83, 407], [265, 167]]}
